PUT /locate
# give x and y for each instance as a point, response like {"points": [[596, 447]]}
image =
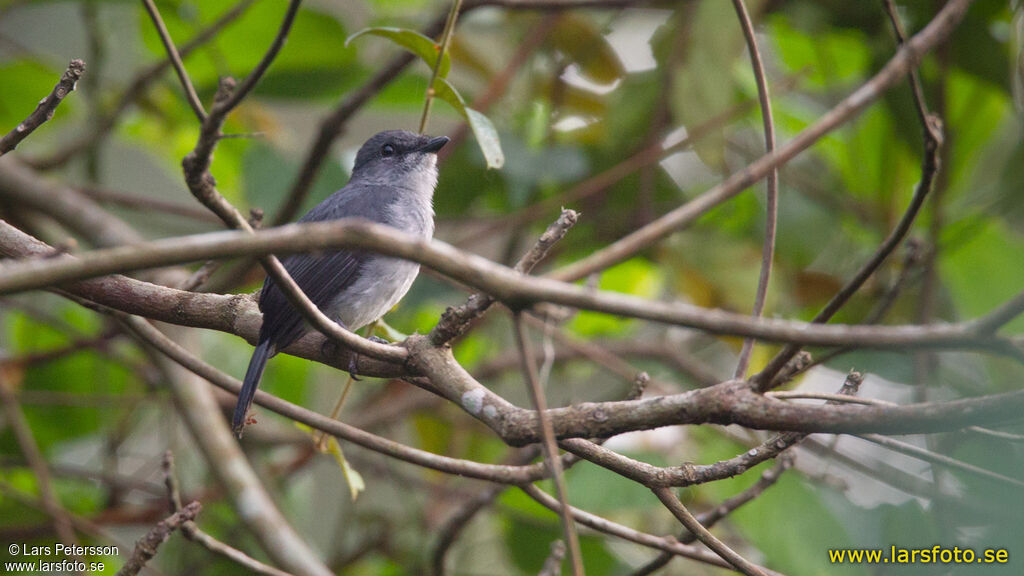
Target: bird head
{"points": [[395, 154]]}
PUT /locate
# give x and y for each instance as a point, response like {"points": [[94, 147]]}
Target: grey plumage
{"points": [[392, 183]]}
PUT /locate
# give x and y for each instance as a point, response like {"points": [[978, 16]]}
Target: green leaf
{"points": [[578, 38], [384, 330], [413, 41], [355, 481], [483, 129], [636, 276]]}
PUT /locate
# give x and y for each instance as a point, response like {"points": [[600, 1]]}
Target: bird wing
{"points": [[321, 276]]}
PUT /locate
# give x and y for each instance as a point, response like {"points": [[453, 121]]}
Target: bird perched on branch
{"points": [[393, 184]]}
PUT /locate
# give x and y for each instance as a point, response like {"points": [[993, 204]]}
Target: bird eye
{"points": [[387, 150]]}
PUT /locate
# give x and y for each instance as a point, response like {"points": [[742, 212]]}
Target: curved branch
{"points": [[772, 191], [505, 284]]}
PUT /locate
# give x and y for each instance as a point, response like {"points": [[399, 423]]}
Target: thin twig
{"points": [[146, 203], [1002, 315], [47, 106], [772, 183], [553, 564], [711, 517], [146, 547], [669, 499], [175, 58], [250, 81], [666, 544], [940, 459], [456, 321], [195, 534], [550, 447], [442, 50]]}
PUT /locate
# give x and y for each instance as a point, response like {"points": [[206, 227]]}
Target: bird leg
{"points": [[353, 360]]}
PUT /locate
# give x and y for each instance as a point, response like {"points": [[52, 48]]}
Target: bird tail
{"points": [[252, 381]]}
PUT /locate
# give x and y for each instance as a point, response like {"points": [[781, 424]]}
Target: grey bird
{"points": [[392, 183]]}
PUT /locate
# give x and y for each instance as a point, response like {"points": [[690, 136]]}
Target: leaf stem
{"points": [[446, 37]]}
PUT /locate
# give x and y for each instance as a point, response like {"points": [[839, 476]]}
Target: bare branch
{"points": [[458, 320], [193, 533], [669, 499], [250, 81], [711, 517], [547, 435], [145, 548], [940, 459], [504, 284], [553, 564], [772, 192], [666, 544], [175, 58], [136, 89], [47, 106]]}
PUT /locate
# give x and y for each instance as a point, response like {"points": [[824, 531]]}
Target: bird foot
{"points": [[353, 368], [353, 361]]}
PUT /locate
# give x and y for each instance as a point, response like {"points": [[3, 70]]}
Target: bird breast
{"points": [[383, 280]]}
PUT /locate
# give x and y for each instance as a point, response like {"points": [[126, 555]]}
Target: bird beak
{"points": [[435, 144]]}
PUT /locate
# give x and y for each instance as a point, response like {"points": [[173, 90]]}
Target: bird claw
{"points": [[353, 369], [353, 360]]}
